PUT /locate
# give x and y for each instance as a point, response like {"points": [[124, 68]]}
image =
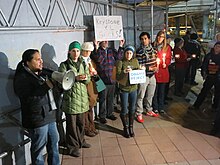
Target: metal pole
{"points": [[152, 19], [135, 24], [216, 18], [186, 16], [167, 9]]}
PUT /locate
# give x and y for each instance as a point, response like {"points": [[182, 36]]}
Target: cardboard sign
{"points": [[137, 76], [108, 28]]}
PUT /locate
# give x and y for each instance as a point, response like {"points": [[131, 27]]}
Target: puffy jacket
{"points": [[33, 94], [75, 100]]}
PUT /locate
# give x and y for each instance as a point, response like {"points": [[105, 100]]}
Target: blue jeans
{"points": [[106, 101], [46, 135], [128, 98], [158, 99]]}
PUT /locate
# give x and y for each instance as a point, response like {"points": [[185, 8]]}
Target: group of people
{"points": [[92, 61]]}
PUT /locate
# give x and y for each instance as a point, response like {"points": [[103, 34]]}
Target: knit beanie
{"points": [[74, 44], [129, 47]]}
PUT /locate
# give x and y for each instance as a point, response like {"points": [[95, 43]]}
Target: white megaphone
{"points": [[65, 78]]}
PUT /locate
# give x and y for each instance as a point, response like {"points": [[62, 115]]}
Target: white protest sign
{"points": [[137, 76], [108, 28]]}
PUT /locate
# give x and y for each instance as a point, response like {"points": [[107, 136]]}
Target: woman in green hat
{"points": [[75, 100]]}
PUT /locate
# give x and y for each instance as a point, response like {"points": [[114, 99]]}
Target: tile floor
{"points": [[157, 141], [174, 138]]}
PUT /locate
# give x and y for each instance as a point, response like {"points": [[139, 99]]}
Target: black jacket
{"points": [[214, 58], [34, 98]]}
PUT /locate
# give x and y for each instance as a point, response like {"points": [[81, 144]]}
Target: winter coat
{"points": [[75, 100], [162, 75], [33, 94]]}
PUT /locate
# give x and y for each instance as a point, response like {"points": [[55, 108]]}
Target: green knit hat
{"points": [[74, 44]]}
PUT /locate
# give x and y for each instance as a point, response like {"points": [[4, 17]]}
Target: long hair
{"points": [[156, 43], [27, 56]]}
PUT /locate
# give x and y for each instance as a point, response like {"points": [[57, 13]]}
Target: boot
{"points": [[131, 121], [124, 119]]}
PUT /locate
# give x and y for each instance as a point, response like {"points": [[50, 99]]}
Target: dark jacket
{"points": [[206, 64], [34, 98]]}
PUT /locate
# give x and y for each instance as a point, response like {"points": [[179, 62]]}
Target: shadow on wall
{"points": [[11, 133], [48, 54]]}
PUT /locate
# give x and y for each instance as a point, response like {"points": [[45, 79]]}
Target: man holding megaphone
{"points": [[38, 107]]}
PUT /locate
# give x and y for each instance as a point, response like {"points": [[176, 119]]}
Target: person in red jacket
{"points": [[181, 65], [162, 75]]}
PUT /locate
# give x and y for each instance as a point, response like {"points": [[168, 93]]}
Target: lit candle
{"points": [[164, 57], [158, 61], [193, 56], [177, 56]]}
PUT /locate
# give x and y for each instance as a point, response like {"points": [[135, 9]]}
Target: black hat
{"points": [[193, 36], [178, 41]]}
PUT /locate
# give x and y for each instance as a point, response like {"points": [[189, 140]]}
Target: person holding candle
{"points": [[193, 49], [128, 92], [162, 74], [181, 64]]}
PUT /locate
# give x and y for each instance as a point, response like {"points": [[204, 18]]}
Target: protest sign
{"points": [[137, 76], [108, 28]]}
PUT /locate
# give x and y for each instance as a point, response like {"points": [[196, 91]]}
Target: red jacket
{"points": [[162, 75], [181, 61]]}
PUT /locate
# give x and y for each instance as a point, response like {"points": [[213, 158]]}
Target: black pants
{"points": [[210, 81], [191, 70], [74, 131]]}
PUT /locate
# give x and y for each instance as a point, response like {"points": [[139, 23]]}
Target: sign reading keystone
{"points": [[108, 28]]}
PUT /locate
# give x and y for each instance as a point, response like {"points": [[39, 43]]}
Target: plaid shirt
{"points": [[147, 56], [105, 61]]}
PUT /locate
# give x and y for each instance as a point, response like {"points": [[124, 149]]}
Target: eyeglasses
{"points": [[161, 36]]}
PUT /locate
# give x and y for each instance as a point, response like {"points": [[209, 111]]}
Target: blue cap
{"points": [[129, 47]]}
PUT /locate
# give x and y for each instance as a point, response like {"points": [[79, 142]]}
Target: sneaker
{"points": [[140, 119], [86, 145], [89, 133], [103, 120], [152, 114], [111, 117], [75, 153], [162, 111], [156, 111]]}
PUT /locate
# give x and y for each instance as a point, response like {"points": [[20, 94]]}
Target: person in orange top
{"points": [[162, 75]]}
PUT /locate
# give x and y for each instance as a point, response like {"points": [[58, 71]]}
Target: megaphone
{"points": [[65, 78]]}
